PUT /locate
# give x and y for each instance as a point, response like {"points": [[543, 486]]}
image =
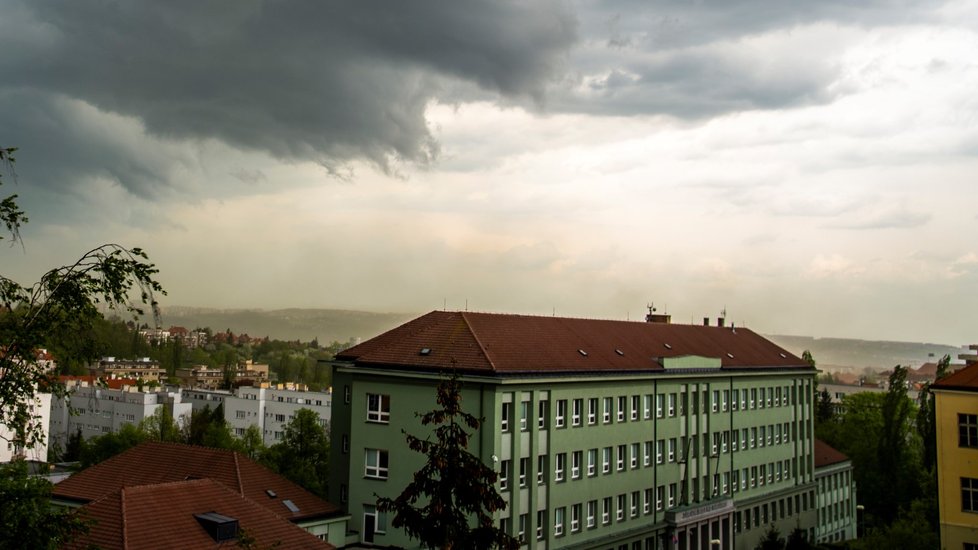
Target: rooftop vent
{"points": [[425, 351], [220, 528], [783, 356], [668, 346], [270, 493], [730, 355], [582, 352], [619, 352], [290, 505]]}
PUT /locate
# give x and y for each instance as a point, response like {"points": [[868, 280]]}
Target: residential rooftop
{"points": [[965, 379], [826, 455]]}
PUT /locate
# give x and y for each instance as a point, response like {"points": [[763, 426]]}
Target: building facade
{"points": [[836, 494], [12, 445], [956, 398], [605, 434], [271, 408]]}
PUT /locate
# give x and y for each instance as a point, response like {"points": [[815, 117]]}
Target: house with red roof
{"points": [[604, 433], [155, 463]]}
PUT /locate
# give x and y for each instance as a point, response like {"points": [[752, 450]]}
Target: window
{"points": [[504, 417], [606, 412], [753, 398], [542, 416], [621, 457], [636, 399], [647, 458], [716, 401], [576, 457], [347, 394], [378, 408], [541, 523], [672, 495], [660, 493], [592, 511], [672, 449], [345, 443], [504, 475], [634, 503], [592, 462], [592, 411], [521, 533], [622, 403], [280, 418], [672, 405], [969, 494], [375, 464], [634, 456], [763, 436], [726, 398], [576, 415], [561, 413], [760, 403], [968, 430], [524, 469], [575, 518], [559, 521], [524, 415], [541, 468], [647, 406], [723, 441], [715, 448], [606, 459], [620, 513], [372, 516], [606, 511], [239, 414], [559, 467], [647, 503], [753, 438], [658, 405], [659, 448]]}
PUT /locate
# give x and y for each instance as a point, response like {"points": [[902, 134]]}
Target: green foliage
{"points": [[798, 540], [772, 540], [251, 443], [911, 530], [453, 488], [27, 518], [303, 454], [108, 445], [927, 417], [823, 407], [209, 429]]}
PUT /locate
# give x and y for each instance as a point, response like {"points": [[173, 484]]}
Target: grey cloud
{"points": [[302, 80]]}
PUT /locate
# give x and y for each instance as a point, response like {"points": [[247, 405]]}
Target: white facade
{"points": [[199, 399], [271, 409], [9, 448], [836, 503], [102, 410]]}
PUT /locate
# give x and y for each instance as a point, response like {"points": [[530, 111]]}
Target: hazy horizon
{"points": [[807, 168]]}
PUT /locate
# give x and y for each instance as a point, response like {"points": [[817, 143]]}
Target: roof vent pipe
{"points": [[706, 321]]}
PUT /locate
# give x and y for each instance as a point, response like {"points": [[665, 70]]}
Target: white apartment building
{"points": [[272, 408], [103, 409], [11, 448], [199, 399]]}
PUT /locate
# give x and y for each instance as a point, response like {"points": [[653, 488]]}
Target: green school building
{"points": [[606, 434]]}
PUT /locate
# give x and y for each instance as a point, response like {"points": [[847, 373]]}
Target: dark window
{"points": [[969, 494], [968, 430]]}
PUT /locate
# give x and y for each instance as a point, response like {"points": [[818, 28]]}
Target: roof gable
{"points": [[964, 379], [154, 462], [826, 455], [499, 344]]}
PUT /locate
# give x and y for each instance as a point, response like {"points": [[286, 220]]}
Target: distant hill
{"points": [[859, 354], [327, 325]]}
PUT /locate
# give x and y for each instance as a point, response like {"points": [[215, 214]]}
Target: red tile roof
{"points": [[155, 462], [162, 516], [964, 379], [501, 344], [111, 383], [826, 455]]}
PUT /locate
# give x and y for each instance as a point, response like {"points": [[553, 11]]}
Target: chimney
{"points": [[706, 321], [720, 322]]}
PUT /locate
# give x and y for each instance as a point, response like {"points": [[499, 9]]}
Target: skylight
{"points": [[668, 346], [730, 355], [425, 351], [290, 505], [619, 352], [270, 493], [582, 352]]}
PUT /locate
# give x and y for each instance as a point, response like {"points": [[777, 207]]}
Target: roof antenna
{"points": [[466, 304], [651, 307]]}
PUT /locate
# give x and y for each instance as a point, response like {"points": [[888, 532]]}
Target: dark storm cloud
{"points": [[302, 80]]}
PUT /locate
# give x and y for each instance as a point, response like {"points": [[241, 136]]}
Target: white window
{"points": [[620, 513], [743, 399], [558, 522], [541, 468], [559, 467], [672, 405], [524, 469], [672, 449], [726, 398], [504, 417], [576, 457], [659, 447], [606, 459], [606, 511], [647, 458], [635, 404], [561, 413], [647, 406], [592, 511], [576, 518], [753, 398], [521, 533], [607, 410], [634, 506], [378, 407], [524, 415], [622, 403], [541, 523], [592, 411], [345, 443], [647, 503], [660, 493], [658, 405], [504, 475], [542, 416], [634, 456], [723, 441], [576, 415], [372, 516], [716, 444], [592, 460], [280, 418], [239, 414], [621, 457], [375, 464], [753, 438], [672, 495], [715, 404]]}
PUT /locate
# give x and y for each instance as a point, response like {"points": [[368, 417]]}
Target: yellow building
{"points": [[957, 457]]}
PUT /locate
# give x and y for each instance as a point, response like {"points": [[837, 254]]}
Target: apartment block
{"points": [[271, 408], [836, 495], [12, 445], [956, 397], [605, 434]]}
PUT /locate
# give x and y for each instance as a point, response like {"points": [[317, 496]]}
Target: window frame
{"points": [[378, 415]]}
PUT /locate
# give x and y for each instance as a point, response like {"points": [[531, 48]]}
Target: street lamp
{"points": [[859, 520], [715, 543]]}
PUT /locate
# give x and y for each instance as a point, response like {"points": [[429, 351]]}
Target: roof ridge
{"points": [[482, 347], [122, 512], [237, 474]]}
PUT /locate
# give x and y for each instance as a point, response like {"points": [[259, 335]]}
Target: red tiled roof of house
{"points": [[163, 516], [964, 379], [501, 343], [154, 462], [825, 455], [111, 383]]}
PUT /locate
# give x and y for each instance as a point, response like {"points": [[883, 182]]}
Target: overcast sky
{"points": [[809, 166]]}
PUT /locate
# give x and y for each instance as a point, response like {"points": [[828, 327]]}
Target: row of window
{"points": [[584, 515], [835, 511], [769, 512]]}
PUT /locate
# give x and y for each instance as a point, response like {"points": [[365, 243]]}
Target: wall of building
{"points": [[837, 516], [691, 477], [271, 409], [9, 448], [954, 463]]}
